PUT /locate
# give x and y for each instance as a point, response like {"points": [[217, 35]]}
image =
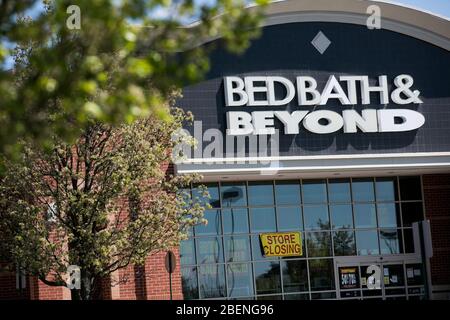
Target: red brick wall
{"points": [[8, 287], [437, 209]]}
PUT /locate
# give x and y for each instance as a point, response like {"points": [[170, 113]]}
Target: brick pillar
{"points": [[437, 210], [158, 285]]}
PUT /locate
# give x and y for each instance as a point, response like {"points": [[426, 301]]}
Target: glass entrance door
{"points": [[398, 279]]}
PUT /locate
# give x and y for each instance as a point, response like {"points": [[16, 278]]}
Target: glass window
{"points": [[367, 242], [235, 221], [213, 227], [257, 251], [287, 192], [410, 188], [394, 276], [323, 295], [187, 252], [365, 216], [321, 272], [344, 243], [212, 281], [409, 240], [304, 296], [414, 274], [289, 218], [260, 193], [388, 215], [386, 189], [212, 189], [267, 277], [316, 217], [295, 275], [240, 280], [341, 216], [362, 190], [411, 212], [233, 194], [390, 241], [339, 190], [319, 244], [209, 250], [314, 191], [189, 282], [237, 248], [262, 219]]}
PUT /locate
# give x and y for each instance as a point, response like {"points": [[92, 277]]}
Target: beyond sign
{"points": [[260, 92]]}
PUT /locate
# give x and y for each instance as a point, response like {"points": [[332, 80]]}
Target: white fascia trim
{"points": [[318, 157], [337, 163]]}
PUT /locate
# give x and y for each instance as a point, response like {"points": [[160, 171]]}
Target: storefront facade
{"points": [[361, 151], [325, 128]]}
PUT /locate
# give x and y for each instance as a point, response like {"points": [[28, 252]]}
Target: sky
{"points": [[440, 7]]}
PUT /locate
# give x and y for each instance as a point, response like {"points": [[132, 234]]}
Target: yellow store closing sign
{"points": [[283, 244]]}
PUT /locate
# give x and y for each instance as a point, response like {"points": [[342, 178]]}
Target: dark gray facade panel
{"points": [[286, 50]]}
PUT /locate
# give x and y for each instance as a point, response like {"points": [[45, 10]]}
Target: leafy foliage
{"points": [[122, 64]]}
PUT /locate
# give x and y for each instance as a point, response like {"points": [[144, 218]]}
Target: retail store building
{"points": [[346, 144]]}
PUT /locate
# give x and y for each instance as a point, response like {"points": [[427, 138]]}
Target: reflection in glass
{"points": [[316, 217], [341, 216], [367, 242], [344, 243], [304, 296], [287, 192], [209, 250], [233, 194], [257, 251], [189, 282], [362, 190], [411, 212], [235, 220], [187, 252], [260, 193], [240, 280], [262, 219], [389, 241], [295, 275], [319, 244], [212, 189], [323, 295], [212, 281], [237, 248], [213, 227], [314, 191], [339, 190], [289, 218], [386, 189], [365, 216], [321, 273], [410, 188], [267, 277], [388, 215]]}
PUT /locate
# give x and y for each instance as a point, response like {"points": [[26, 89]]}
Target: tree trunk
{"points": [[86, 287]]}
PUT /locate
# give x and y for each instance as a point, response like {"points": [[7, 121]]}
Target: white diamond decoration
{"points": [[321, 42]]}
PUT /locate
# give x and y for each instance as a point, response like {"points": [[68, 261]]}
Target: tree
{"points": [[101, 203], [120, 64]]}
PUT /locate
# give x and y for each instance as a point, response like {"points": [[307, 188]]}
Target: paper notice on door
{"points": [[410, 273], [394, 279], [386, 280], [363, 281], [417, 272], [386, 271]]}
